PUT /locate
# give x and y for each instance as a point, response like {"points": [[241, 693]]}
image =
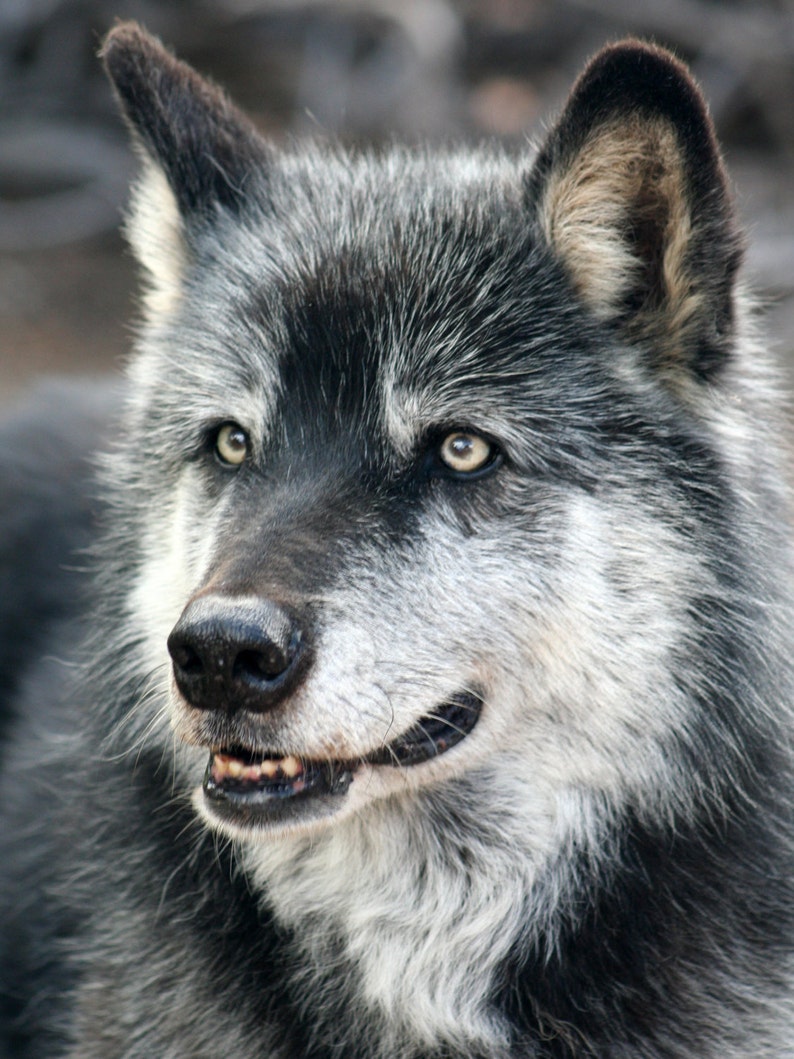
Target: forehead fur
{"points": [[402, 284]]}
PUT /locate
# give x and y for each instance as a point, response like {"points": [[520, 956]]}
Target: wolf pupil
{"points": [[231, 444]]}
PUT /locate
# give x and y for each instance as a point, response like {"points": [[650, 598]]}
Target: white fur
{"points": [[155, 232]]}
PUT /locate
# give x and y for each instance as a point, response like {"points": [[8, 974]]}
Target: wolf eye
{"points": [[231, 444], [466, 453]]}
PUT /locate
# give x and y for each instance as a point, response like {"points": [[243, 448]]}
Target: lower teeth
{"points": [[255, 783], [225, 767]]}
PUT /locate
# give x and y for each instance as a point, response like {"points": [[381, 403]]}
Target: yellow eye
{"points": [[465, 453], [231, 444]]}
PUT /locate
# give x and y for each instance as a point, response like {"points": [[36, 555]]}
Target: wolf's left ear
{"points": [[630, 193]]}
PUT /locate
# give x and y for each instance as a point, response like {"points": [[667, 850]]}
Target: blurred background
{"points": [[358, 69]]}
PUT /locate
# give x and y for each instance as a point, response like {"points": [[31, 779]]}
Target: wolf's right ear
{"points": [[203, 156], [207, 149]]}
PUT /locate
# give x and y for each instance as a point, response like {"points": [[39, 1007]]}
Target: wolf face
{"points": [[435, 434]]}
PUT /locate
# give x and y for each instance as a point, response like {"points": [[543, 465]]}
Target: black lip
{"points": [[281, 798], [433, 735]]}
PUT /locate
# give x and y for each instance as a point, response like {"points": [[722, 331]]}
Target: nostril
{"points": [[266, 664], [186, 658]]}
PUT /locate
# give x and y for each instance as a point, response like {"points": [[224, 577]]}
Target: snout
{"points": [[240, 653]]}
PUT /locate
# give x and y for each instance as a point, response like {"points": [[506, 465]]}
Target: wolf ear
{"points": [[630, 193], [207, 149], [203, 156]]}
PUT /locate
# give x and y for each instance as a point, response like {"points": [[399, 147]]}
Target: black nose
{"points": [[240, 653]]}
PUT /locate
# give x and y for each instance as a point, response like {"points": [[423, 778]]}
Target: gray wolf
{"points": [[435, 692]]}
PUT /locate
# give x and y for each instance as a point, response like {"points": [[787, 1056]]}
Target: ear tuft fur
{"points": [[155, 232], [630, 193]]}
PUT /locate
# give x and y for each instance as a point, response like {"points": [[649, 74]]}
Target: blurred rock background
{"points": [[359, 69]]}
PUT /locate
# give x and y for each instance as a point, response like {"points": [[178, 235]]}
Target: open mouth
{"points": [[249, 787]]}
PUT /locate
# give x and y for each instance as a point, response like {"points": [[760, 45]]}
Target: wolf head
{"points": [[423, 460]]}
